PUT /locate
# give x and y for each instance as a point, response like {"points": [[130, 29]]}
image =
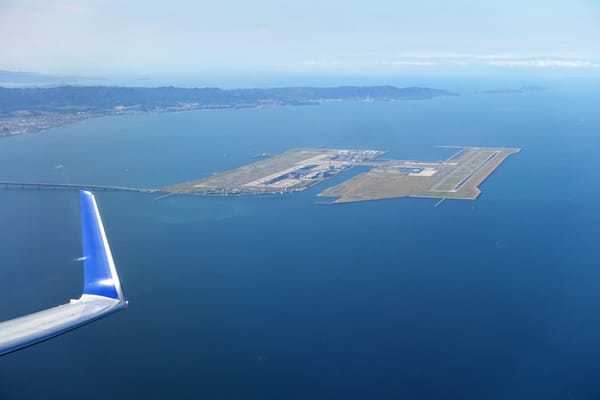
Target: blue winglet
{"points": [[100, 276]]}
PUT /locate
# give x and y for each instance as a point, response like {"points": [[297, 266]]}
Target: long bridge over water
{"points": [[71, 186]]}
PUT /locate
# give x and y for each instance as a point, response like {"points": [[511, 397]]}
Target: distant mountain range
{"points": [[96, 98], [24, 110]]}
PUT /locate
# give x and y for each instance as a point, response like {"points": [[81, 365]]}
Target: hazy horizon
{"points": [[433, 38]]}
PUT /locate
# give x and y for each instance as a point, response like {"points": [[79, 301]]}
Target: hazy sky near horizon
{"points": [[111, 36]]}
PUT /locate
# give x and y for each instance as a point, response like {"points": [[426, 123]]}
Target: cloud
{"points": [[417, 63], [358, 60], [544, 63]]}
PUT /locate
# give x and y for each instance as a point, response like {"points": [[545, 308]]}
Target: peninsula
{"points": [[28, 110]]}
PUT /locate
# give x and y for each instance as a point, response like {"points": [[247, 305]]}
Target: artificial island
{"points": [[457, 177]]}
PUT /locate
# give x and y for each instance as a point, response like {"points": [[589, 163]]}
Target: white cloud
{"points": [[544, 63], [400, 63], [358, 60]]}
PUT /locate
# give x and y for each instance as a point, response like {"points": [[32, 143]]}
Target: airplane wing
{"points": [[102, 293]]}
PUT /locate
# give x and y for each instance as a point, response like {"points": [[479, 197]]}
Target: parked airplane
{"points": [[102, 293]]}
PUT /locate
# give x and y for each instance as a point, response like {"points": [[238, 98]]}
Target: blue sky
{"points": [[376, 36]]}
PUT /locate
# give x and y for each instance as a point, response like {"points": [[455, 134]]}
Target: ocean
{"points": [[280, 297]]}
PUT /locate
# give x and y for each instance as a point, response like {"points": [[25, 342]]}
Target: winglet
{"points": [[100, 276], [102, 294]]}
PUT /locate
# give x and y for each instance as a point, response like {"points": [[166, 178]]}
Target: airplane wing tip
{"points": [[100, 273], [102, 294]]}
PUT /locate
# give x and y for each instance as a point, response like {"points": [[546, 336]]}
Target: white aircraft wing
{"points": [[102, 292]]}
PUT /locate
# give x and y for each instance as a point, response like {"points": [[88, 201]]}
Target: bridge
{"points": [[71, 186]]}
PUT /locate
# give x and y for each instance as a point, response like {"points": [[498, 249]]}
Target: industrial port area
{"points": [[458, 177]]}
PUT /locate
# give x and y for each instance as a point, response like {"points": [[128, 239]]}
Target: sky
{"points": [[377, 36]]}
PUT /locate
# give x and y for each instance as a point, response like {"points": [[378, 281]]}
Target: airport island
{"points": [[458, 177]]}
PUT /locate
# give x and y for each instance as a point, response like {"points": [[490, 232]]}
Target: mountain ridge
{"points": [[26, 110]]}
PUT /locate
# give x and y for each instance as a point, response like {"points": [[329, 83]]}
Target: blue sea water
{"points": [[280, 297]]}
